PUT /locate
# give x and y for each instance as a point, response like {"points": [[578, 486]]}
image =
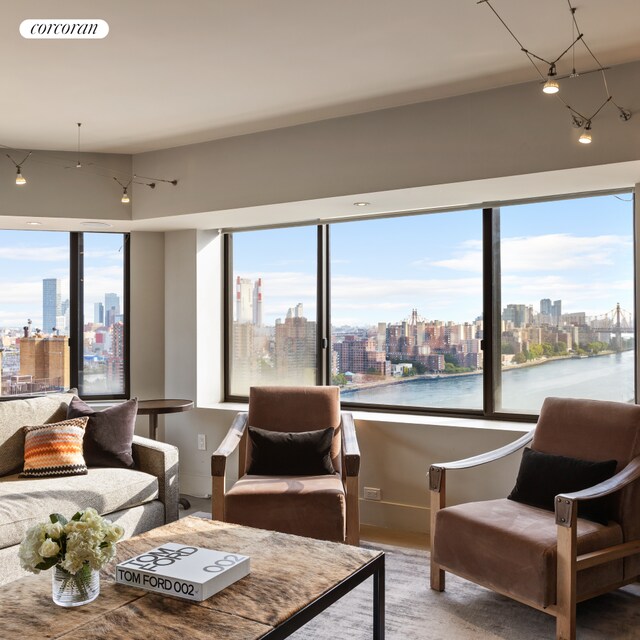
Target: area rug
{"points": [[464, 611]]}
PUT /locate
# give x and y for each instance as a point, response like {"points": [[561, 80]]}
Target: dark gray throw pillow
{"points": [[109, 433], [303, 453], [542, 476]]}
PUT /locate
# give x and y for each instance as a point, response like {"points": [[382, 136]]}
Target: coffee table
{"points": [[292, 580]]}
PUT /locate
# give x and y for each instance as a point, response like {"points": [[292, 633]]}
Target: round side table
{"points": [[153, 408]]}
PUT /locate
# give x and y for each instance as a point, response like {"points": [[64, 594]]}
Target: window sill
{"points": [[405, 418]]}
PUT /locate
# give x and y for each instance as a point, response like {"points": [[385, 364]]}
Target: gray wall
{"points": [[503, 132]]}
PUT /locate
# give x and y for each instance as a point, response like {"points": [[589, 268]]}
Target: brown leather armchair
{"points": [[549, 561], [320, 506]]}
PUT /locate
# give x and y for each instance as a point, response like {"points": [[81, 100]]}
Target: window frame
{"points": [[76, 319], [491, 299]]}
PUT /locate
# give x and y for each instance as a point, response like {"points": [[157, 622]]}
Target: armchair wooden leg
{"points": [[437, 575], [566, 588], [353, 511], [217, 497]]}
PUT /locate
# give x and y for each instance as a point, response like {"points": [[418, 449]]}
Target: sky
{"points": [[27, 257], [579, 251]]}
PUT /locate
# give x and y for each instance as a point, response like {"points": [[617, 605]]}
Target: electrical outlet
{"points": [[371, 493], [202, 442]]}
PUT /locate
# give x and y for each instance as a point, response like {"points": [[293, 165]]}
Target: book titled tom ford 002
{"points": [[182, 571]]}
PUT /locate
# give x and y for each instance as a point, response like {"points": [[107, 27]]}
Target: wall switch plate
{"points": [[371, 493], [202, 442]]}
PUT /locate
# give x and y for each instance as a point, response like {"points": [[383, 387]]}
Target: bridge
{"points": [[617, 321]]}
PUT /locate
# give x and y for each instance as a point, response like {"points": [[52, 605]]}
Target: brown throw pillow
{"points": [[107, 442], [54, 449], [303, 453]]}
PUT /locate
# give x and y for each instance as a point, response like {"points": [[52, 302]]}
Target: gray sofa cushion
{"points": [[27, 501], [15, 414]]}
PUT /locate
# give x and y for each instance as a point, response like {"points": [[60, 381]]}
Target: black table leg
{"points": [[378, 602]]}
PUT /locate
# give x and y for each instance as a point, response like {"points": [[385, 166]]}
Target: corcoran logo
{"points": [[82, 29]]}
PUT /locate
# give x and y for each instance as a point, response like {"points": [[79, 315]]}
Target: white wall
{"points": [[147, 318]]}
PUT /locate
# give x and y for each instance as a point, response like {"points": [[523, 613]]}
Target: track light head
{"points": [[585, 136], [624, 114], [125, 197], [20, 179], [550, 87]]}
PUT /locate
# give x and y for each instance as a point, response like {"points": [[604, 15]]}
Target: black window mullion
{"points": [[126, 294], [323, 324], [76, 304], [227, 311], [491, 336]]}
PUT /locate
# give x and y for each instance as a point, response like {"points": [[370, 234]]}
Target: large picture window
{"points": [[63, 320], [406, 310], [470, 312], [273, 316]]}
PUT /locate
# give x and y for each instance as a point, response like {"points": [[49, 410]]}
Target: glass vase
{"points": [[69, 590]]}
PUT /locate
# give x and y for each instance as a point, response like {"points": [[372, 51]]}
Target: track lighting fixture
{"points": [[20, 179], [550, 81], [89, 169], [585, 136], [125, 199], [551, 85]]}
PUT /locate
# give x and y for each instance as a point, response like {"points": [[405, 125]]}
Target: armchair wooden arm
{"points": [[219, 464], [351, 470], [569, 562]]}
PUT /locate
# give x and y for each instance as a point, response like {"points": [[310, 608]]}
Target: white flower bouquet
{"points": [[77, 547]]}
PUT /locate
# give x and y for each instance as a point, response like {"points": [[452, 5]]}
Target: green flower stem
{"points": [[81, 580]]}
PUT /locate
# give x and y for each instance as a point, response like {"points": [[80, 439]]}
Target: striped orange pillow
{"points": [[54, 449]]}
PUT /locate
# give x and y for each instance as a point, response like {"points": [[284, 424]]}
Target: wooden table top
{"points": [[287, 573], [146, 407]]}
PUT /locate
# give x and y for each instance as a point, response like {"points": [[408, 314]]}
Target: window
{"points": [[103, 345], [474, 312], [566, 301], [48, 337], [273, 323], [406, 310]]}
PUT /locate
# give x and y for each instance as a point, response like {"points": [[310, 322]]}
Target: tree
{"points": [[535, 351], [507, 348], [339, 379], [519, 358]]}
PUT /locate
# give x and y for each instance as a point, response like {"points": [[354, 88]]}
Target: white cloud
{"points": [[35, 254], [550, 252]]}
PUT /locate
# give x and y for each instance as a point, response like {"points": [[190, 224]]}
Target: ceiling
{"points": [[172, 73]]}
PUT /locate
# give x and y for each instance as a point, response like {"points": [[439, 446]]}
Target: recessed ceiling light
{"points": [[361, 204], [95, 225], [34, 224]]}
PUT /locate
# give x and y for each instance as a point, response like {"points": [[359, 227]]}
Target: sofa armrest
{"points": [[160, 460]]}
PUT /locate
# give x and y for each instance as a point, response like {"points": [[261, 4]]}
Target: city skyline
{"points": [[29, 257]]}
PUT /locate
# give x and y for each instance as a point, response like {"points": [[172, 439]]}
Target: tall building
{"points": [[111, 308], [244, 299], [51, 304], [556, 312], [295, 348], [257, 303], [45, 361], [98, 313], [115, 359]]}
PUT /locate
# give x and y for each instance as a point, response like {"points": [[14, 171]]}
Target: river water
{"points": [[609, 377]]}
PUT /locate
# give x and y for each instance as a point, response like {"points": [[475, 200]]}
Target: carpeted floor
{"points": [[464, 611]]}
